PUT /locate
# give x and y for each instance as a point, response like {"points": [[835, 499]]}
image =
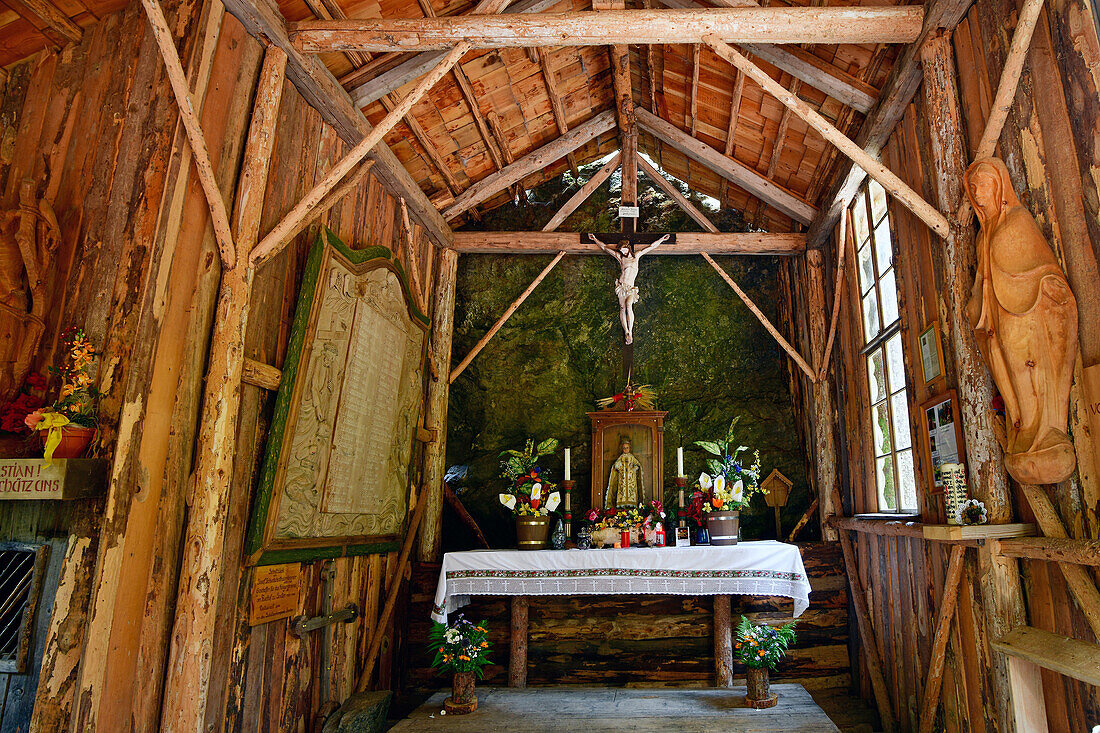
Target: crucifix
{"points": [[625, 288]]}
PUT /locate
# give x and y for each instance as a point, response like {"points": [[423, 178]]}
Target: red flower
{"points": [[35, 381], [534, 503]]}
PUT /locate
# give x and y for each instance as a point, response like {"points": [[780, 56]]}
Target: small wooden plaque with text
{"points": [[274, 593]]}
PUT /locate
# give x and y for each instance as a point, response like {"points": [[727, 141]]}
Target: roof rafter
{"points": [[686, 243], [730, 169], [856, 24]]}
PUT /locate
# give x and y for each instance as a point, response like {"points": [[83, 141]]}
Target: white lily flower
{"points": [[552, 501], [704, 481], [536, 490], [719, 483], [508, 500], [739, 491]]}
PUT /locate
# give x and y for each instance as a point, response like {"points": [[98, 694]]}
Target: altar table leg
{"points": [[517, 664], [723, 643]]}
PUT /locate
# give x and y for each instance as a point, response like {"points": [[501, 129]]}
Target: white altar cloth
{"points": [[761, 568]]}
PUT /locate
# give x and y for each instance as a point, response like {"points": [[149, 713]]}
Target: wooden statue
{"points": [[1025, 321], [625, 288], [624, 487], [29, 238]]}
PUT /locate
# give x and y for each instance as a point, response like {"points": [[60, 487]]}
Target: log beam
{"points": [[889, 180], [321, 91], [855, 24], [1053, 549], [55, 18], [202, 566], [582, 194], [819, 74], [939, 640], [531, 163], [674, 193], [278, 237], [730, 169], [893, 101], [723, 642], [556, 104], [687, 243]]}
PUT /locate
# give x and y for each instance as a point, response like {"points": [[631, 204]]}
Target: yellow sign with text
{"points": [[274, 593]]}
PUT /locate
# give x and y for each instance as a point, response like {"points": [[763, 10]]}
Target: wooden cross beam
{"points": [[730, 169], [583, 193], [855, 24], [680, 243], [928, 213], [531, 163]]}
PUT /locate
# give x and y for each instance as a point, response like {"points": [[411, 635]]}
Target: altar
{"points": [[764, 568]]}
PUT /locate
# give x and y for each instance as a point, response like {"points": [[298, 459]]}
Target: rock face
{"points": [[364, 712], [695, 343]]}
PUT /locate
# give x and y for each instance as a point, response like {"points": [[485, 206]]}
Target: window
{"points": [[893, 449], [21, 570]]}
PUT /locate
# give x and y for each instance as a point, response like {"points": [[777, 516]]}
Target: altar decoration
{"points": [[971, 511], [631, 398], [760, 648], [630, 526], [70, 422], [461, 648], [729, 488], [762, 567], [532, 496]]}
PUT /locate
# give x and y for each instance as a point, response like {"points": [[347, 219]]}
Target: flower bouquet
{"points": [[70, 421], [971, 511], [728, 488], [760, 648], [532, 496], [461, 648]]}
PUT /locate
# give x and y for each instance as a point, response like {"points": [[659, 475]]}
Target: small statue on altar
{"points": [[624, 488], [625, 288]]}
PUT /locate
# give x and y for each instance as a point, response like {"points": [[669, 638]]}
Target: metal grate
{"points": [[21, 567]]}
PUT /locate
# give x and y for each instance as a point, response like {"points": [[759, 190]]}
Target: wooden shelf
{"points": [[957, 533], [1071, 657]]}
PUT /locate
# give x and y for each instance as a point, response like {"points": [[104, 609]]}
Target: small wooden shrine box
{"points": [[646, 431]]}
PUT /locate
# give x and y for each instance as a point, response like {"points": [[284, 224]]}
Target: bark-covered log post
{"points": [[187, 689], [824, 421], [435, 407], [1002, 595]]}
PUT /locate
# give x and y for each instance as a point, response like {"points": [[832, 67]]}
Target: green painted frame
{"points": [[261, 546]]}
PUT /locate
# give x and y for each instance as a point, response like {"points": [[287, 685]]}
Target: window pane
{"points": [[866, 269], [876, 375], [907, 481], [859, 220], [870, 316], [878, 200], [880, 428], [895, 363], [884, 253], [884, 478], [899, 405], [888, 292]]}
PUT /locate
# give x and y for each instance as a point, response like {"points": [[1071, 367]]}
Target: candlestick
{"points": [[680, 461], [567, 476], [681, 513], [567, 512]]}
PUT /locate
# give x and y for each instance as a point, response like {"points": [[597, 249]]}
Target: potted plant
{"points": [[532, 496], [70, 422], [727, 489], [760, 648], [461, 648]]}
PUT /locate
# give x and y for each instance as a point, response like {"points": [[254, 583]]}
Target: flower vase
{"points": [[463, 698], [532, 532], [759, 694], [74, 441], [723, 527], [702, 536]]}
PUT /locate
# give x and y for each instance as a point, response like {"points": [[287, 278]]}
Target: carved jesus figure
{"points": [[625, 288]]}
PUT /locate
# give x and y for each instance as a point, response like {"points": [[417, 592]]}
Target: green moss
{"points": [[708, 358]]}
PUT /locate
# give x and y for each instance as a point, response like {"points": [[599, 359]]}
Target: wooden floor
{"points": [[576, 709]]}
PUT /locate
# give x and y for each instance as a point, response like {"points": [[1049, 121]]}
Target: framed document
{"points": [[335, 476], [931, 355], [944, 444]]}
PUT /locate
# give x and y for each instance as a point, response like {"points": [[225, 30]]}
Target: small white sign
{"points": [[628, 212], [31, 479]]}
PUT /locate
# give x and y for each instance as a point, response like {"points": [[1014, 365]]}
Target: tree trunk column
{"points": [[435, 406], [824, 422], [1002, 596], [723, 643]]}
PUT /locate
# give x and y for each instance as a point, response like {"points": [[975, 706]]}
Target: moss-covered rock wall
{"points": [[707, 357]]}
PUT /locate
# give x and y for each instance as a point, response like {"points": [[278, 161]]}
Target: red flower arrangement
{"points": [[13, 414]]}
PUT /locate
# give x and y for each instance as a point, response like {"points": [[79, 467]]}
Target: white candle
{"points": [[680, 461], [567, 475]]}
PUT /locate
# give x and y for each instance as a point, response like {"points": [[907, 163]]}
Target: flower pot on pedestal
{"points": [[463, 698], [532, 532], [74, 441], [759, 694], [723, 527]]}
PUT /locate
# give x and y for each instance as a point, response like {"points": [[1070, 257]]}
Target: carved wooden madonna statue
{"points": [[1025, 320]]}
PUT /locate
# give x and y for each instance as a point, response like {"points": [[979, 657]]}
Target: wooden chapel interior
{"points": [[191, 150]]}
